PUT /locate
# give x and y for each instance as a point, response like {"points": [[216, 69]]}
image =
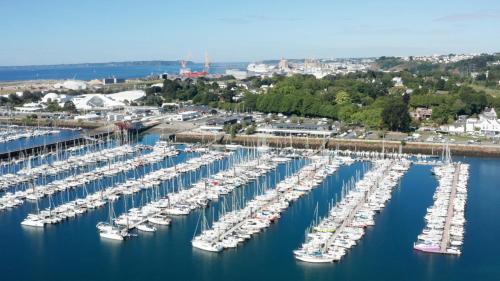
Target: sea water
{"points": [[73, 250]]}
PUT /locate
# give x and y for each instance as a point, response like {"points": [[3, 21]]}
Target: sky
{"points": [[70, 31]]}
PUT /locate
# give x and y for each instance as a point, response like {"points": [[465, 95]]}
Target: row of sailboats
{"points": [[139, 217], [445, 219], [13, 133], [72, 163], [211, 188], [328, 239], [81, 178], [237, 226]]}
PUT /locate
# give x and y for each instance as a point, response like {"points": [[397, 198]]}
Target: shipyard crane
{"points": [[207, 62]]}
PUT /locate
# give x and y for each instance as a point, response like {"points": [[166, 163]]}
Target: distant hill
{"points": [[100, 64]]}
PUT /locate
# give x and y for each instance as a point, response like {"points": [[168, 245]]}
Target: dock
{"points": [[90, 136], [349, 219], [449, 214]]}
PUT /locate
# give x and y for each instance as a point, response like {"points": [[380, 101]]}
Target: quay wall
{"points": [[351, 144]]}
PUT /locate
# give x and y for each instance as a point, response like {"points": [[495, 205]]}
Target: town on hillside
{"points": [[438, 98]]}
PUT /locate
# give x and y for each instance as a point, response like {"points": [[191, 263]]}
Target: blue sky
{"points": [[65, 31]]}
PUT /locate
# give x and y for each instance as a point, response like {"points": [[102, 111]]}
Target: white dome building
{"points": [[50, 97], [127, 95], [53, 97], [96, 102]]}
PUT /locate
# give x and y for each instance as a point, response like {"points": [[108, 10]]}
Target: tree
{"points": [[342, 97], [69, 106], [442, 114], [53, 106], [14, 99], [395, 115]]}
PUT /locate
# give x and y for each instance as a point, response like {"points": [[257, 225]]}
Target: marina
{"points": [[34, 192], [249, 141], [237, 226], [329, 239], [444, 231], [232, 197], [18, 140], [152, 211], [12, 133], [55, 168]]}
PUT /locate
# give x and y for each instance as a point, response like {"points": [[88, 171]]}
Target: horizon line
{"points": [[241, 61]]}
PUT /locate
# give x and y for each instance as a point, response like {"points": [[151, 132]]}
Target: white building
{"points": [[398, 81], [30, 107], [236, 73], [53, 97], [71, 85], [186, 115], [487, 124], [96, 102], [130, 96], [457, 128]]}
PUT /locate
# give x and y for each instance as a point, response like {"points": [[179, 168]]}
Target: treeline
{"points": [[203, 91], [363, 99], [370, 99], [13, 100], [18, 100], [460, 101]]}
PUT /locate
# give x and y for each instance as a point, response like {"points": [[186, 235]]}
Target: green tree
{"points": [[342, 97], [53, 106], [69, 106], [395, 115]]}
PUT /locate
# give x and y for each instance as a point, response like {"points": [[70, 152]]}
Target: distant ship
{"points": [[260, 68], [186, 72]]}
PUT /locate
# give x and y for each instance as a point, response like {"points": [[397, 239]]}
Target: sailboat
{"points": [[34, 220], [203, 243], [109, 230]]}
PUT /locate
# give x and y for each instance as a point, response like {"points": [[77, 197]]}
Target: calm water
{"points": [[73, 250], [96, 71]]}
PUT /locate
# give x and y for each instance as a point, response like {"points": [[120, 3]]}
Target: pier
{"points": [[91, 136], [236, 226], [449, 213], [349, 219], [445, 219], [329, 240]]}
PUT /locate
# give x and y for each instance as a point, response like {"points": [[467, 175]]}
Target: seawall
{"points": [[351, 144]]}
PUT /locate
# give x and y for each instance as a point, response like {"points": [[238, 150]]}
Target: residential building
{"points": [[421, 113], [487, 124]]}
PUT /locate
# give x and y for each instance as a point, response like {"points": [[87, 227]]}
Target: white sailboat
{"points": [[34, 220], [109, 230], [205, 244]]}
